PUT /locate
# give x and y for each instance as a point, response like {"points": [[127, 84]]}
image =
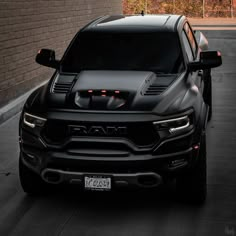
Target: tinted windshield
{"points": [[158, 52]]}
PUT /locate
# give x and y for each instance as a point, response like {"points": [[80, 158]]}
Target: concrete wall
{"points": [[28, 25]]}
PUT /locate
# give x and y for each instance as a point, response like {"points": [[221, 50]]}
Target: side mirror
{"points": [[208, 59], [46, 57]]}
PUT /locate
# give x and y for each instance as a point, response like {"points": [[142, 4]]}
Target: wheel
{"points": [[192, 185], [208, 92], [30, 181]]}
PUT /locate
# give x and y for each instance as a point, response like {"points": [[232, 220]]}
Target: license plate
{"points": [[97, 183]]}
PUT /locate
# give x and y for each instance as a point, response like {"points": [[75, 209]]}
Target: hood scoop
{"points": [[108, 90], [100, 100], [118, 90], [158, 85]]}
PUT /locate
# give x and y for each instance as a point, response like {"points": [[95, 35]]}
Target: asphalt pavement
{"points": [[135, 213]]}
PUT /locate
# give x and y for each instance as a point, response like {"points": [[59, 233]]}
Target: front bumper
{"points": [[140, 171], [142, 180]]}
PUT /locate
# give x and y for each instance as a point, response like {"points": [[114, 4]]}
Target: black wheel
{"points": [[30, 181], [192, 185]]}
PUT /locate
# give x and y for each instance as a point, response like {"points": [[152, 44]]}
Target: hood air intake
{"points": [[155, 90], [158, 85], [62, 84]]}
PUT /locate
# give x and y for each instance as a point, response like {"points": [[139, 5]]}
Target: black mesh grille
{"points": [[141, 134], [55, 132]]}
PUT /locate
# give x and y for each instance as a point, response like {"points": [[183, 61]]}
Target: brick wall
{"points": [[28, 25]]}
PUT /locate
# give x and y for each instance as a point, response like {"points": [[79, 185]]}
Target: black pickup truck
{"points": [[128, 105]]}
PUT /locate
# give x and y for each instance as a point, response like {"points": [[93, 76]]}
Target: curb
{"points": [[16, 105]]}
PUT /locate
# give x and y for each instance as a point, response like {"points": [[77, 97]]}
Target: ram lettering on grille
{"points": [[98, 130]]}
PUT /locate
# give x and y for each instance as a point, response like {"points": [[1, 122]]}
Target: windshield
{"points": [[157, 52]]}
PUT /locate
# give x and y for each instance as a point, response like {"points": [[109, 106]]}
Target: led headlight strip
{"points": [[173, 125], [33, 121]]}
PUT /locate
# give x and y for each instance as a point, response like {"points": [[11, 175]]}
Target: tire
{"points": [[30, 181], [192, 185]]}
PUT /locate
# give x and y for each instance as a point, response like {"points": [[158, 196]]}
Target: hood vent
{"points": [[62, 84], [155, 89], [158, 85], [61, 87]]}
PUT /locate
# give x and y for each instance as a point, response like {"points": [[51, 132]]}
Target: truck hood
{"points": [[114, 90], [118, 91]]}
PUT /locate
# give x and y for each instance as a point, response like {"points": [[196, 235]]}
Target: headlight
{"points": [[33, 121], [173, 125]]}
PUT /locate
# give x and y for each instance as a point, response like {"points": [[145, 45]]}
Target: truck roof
{"points": [[121, 23]]}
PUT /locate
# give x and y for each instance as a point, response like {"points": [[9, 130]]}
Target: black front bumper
{"points": [[142, 180], [140, 171]]}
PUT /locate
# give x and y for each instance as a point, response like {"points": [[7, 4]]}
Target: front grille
{"points": [[142, 134]]}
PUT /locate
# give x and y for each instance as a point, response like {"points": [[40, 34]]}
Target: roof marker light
{"points": [[104, 91]]}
